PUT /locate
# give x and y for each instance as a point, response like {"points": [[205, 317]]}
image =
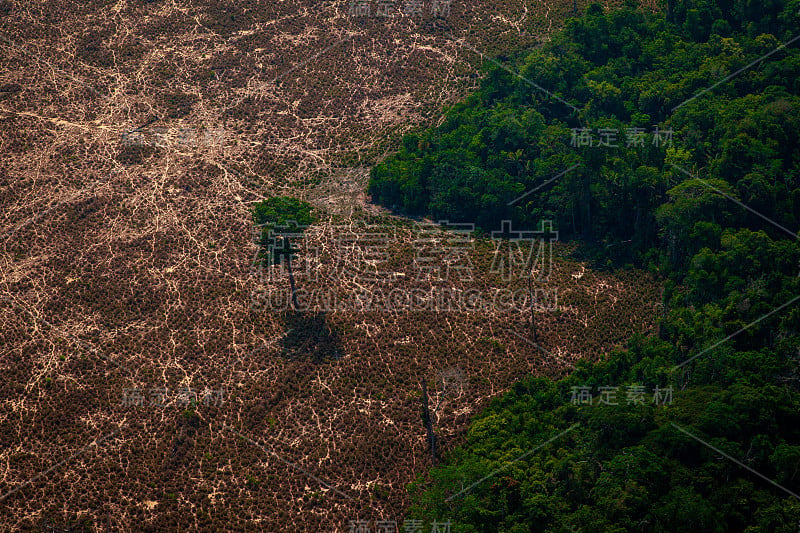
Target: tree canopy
{"points": [[714, 211]]}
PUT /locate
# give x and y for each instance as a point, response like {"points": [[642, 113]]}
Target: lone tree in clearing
{"points": [[280, 219]]}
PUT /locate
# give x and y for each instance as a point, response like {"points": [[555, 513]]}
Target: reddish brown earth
{"points": [[130, 267]]}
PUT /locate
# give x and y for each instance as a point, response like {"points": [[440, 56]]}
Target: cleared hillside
{"points": [[128, 280]]}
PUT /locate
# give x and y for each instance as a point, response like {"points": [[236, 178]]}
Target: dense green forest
{"points": [[658, 141], [611, 80]]}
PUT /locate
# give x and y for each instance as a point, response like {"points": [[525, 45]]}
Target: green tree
{"points": [[281, 219]]}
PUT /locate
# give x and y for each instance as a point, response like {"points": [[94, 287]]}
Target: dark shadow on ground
{"points": [[310, 334]]}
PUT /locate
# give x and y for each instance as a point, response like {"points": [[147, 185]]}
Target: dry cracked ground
{"points": [[147, 381]]}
